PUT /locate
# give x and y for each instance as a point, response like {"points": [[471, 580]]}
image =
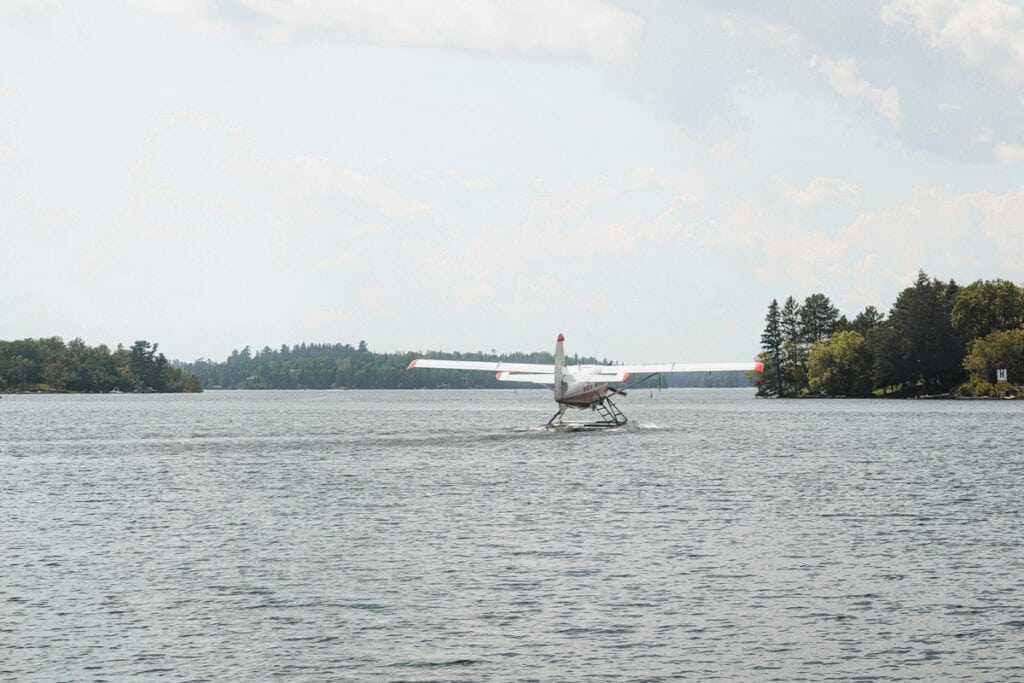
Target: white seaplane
{"points": [[580, 386]]}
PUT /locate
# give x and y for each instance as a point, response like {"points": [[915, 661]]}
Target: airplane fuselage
{"points": [[582, 394]]}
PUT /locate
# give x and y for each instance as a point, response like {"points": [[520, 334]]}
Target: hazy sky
{"points": [[484, 174]]}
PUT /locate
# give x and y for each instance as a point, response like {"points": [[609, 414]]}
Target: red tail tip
{"points": [[758, 367], [561, 337]]}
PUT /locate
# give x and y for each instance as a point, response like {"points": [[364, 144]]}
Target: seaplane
{"points": [[580, 386]]}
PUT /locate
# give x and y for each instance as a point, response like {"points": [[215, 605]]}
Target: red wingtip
{"points": [[625, 377], [412, 364], [561, 337], [758, 367]]}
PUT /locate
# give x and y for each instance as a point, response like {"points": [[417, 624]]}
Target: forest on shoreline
{"points": [[50, 366], [938, 338], [343, 366]]}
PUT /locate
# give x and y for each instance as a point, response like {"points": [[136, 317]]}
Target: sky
{"points": [[643, 176]]}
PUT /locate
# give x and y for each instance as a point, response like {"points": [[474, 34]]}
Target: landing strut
{"points": [[606, 409]]}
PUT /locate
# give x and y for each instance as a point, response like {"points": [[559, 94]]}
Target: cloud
{"points": [[688, 185], [820, 191], [534, 296], [1009, 154], [988, 34], [89, 270], [9, 156], [568, 229], [450, 177], [965, 236], [734, 148], [570, 28], [13, 7], [327, 320], [345, 259], [315, 176], [878, 253], [841, 74]]}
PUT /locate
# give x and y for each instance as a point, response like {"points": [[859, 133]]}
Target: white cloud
{"points": [[733, 148], [872, 258], [534, 296], [688, 185], [988, 34], [568, 28], [1009, 154], [8, 155], [820, 191], [450, 177], [965, 236], [29, 6], [327, 321], [345, 259], [780, 37], [841, 75], [315, 176], [89, 270], [571, 202]]}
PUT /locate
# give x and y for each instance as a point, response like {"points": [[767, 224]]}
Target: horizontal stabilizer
{"points": [[534, 378]]}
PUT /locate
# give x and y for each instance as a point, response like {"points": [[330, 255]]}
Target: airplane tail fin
{"points": [[559, 367]]}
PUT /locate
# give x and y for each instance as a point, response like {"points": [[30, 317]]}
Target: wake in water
{"points": [[577, 427]]}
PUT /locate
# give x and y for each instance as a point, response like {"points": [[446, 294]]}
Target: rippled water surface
{"points": [[440, 535]]}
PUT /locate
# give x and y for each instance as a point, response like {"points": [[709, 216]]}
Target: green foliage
{"points": [[986, 306], [918, 348], [867, 320], [818, 318], [769, 382], [840, 366], [787, 340], [51, 365], [932, 352], [342, 366], [999, 349]]}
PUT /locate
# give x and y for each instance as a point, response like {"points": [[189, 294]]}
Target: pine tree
{"points": [[769, 383], [818, 318]]}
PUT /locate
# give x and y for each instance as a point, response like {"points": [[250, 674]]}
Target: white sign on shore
{"points": [[1001, 376]]}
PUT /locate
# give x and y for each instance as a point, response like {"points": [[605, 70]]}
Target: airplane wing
{"points": [[539, 373], [658, 368], [534, 373], [482, 365]]}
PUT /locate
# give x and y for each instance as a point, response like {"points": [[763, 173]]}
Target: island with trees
{"points": [[49, 365], [938, 339]]}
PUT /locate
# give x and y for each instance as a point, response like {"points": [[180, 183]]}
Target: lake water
{"points": [[442, 536]]}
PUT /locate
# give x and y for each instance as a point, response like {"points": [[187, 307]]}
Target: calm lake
{"points": [[443, 536]]}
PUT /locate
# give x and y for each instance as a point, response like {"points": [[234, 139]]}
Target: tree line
{"points": [[50, 365], [937, 338], [343, 366]]}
